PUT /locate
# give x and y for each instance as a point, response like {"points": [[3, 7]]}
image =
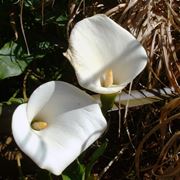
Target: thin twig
{"points": [[125, 117], [42, 12], [115, 159], [22, 26], [73, 17], [24, 85], [115, 9], [119, 114]]}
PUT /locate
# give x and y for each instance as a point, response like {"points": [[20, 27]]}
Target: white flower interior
{"points": [[56, 125], [105, 56]]}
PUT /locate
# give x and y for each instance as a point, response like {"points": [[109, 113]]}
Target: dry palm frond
{"points": [[167, 147], [168, 163], [157, 25], [166, 111], [140, 97]]}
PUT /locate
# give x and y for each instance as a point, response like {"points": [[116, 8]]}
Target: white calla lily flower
{"points": [[105, 56], [56, 125]]}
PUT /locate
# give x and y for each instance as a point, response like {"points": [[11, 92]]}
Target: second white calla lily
{"points": [[56, 125], [105, 56]]}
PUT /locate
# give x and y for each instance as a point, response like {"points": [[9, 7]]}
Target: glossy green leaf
{"points": [[98, 152], [76, 171], [65, 177], [13, 61]]}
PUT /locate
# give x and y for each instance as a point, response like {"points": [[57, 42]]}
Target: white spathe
{"points": [[97, 44], [74, 122]]}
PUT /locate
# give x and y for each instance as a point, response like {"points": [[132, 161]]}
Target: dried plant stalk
{"points": [[156, 24]]}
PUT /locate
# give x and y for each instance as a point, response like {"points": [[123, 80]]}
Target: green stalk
{"points": [[107, 102]]}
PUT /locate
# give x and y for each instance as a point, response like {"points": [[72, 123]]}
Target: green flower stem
{"points": [[107, 102]]}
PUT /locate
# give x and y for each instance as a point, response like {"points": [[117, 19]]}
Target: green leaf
{"points": [[13, 61], [65, 177], [98, 152], [61, 20], [76, 171]]}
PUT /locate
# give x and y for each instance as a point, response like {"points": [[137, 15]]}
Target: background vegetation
{"points": [[33, 36]]}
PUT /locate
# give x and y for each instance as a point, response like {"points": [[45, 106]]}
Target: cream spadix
{"points": [[98, 45], [56, 125]]}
